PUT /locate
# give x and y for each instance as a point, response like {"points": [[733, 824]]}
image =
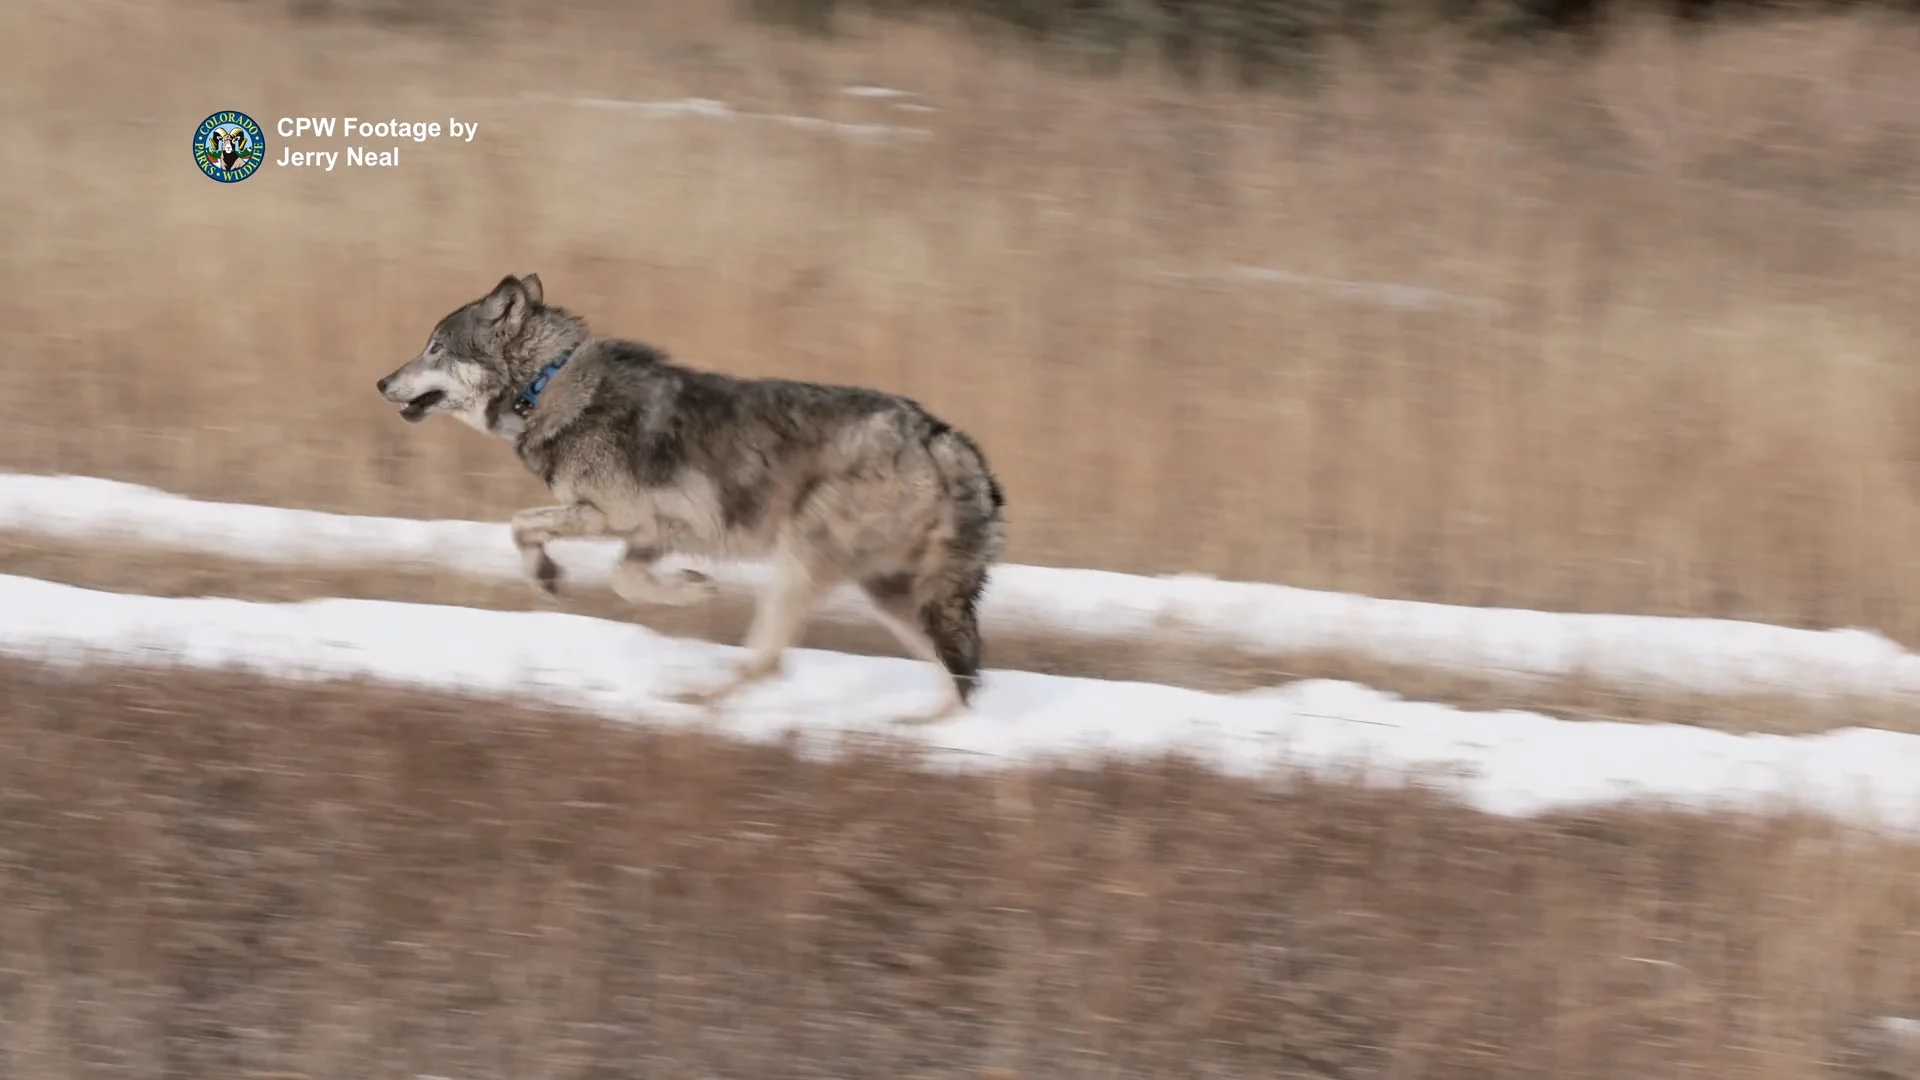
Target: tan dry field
{"points": [[209, 875], [1684, 391], [1683, 384]]}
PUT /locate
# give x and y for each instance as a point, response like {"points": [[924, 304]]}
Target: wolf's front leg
{"points": [[533, 529], [638, 579]]}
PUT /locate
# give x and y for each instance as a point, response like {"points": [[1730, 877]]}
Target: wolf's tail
{"points": [[949, 610]]}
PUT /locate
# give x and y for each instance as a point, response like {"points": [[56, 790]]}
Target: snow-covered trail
{"points": [[1514, 763], [1707, 655]]}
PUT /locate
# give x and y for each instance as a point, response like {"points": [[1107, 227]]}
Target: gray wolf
{"points": [[827, 484]]}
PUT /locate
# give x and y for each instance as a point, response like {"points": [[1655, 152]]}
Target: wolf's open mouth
{"points": [[416, 410]]}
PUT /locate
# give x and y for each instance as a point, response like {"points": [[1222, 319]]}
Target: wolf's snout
{"points": [[382, 384]]}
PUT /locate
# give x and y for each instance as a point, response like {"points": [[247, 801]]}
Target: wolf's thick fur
{"points": [[827, 483]]}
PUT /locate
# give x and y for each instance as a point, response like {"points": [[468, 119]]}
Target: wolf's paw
{"points": [[686, 586], [682, 587], [544, 574], [753, 670], [949, 707]]}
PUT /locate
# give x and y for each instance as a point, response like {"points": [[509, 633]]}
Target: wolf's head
{"points": [[480, 357]]}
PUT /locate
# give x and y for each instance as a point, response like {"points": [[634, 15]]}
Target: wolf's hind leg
{"points": [[534, 529], [898, 610], [638, 580]]}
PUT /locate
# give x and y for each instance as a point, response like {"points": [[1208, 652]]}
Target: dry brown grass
{"points": [[210, 875], [1689, 397], [1173, 656]]}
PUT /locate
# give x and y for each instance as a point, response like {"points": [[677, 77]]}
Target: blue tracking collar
{"points": [[530, 397]]}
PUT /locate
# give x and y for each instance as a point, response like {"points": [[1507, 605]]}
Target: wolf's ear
{"points": [[531, 283], [507, 305]]}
